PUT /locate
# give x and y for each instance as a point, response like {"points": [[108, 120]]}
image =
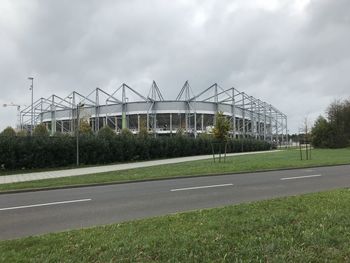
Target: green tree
{"points": [[333, 132], [339, 119], [8, 132], [84, 128], [220, 134], [321, 133], [221, 128], [40, 130]]}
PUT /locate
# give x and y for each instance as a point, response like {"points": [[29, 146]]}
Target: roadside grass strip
{"points": [[246, 163], [307, 228]]}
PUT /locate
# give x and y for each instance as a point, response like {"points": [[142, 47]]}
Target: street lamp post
{"points": [[80, 105], [32, 113]]}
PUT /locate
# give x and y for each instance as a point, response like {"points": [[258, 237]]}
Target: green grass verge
{"points": [[246, 163], [307, 228]]}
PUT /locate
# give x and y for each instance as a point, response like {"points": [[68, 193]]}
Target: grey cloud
{"points": [[295, 61]]}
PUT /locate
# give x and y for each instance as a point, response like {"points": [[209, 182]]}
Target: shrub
{"points": [[106, 133], [8, 132], [57, 151], [22, 133], [40, 130]]}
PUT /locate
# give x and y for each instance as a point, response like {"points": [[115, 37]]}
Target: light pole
{"points": [[32, 114], [80, 105]]}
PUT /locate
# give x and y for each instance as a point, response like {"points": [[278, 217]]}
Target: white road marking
{"points": [[44, 204], [301, 177], [199, 187]]}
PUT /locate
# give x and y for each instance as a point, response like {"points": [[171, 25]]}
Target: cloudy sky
{"points": [[292, 54]]}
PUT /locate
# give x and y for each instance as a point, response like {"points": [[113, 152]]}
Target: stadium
{"points": [[192, 114]]}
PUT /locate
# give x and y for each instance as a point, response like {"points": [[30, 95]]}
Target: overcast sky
{"points": [[294, 55]]}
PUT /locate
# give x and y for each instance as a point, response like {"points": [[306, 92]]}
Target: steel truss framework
{"points": [[127, 108]]}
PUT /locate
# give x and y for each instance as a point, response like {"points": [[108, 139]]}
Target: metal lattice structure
{"points": [[126, 108]]}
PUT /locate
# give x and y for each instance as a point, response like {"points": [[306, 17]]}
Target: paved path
{"points": [[106, 168], [33, 213]]}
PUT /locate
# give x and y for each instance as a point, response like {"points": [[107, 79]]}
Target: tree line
{"points": [[333, 131]]}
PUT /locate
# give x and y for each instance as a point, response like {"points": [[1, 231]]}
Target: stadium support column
{"points": [[123, 118], [155, 125], [276, 128], [116, 123], [270, 123], [138, 123], [147, 121], [282, 130], [252, 119], [233, 109], [53, 116], [195, 120], [41, 114], [97, 113], [202, 122], [193, 107], [123, 108]]}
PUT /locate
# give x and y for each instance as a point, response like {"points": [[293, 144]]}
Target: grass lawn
{"points": [[257, 162], [307, 228]]}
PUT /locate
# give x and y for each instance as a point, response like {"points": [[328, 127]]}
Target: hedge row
{"points": [[46, 152]]}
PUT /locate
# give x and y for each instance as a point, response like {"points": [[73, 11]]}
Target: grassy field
{"points": [[307, 228], [246, 163]]}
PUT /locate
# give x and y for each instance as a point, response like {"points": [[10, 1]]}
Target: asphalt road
{"points": [[32, 213]]}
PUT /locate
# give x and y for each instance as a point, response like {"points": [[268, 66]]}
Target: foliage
{"points": [[333, 132], [8, 132], [84, 127], [221, 128], [40, 130], [126, 133], [320, 133], [106, 133], [22, 133], [57, 151], [143, 133]]}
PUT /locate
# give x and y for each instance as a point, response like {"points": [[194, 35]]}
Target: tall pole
{"points": [[32, 113], [77, 132], [19, 117], [79, 105]]}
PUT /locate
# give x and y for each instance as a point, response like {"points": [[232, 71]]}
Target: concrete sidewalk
{"points": [[15, 178]]}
